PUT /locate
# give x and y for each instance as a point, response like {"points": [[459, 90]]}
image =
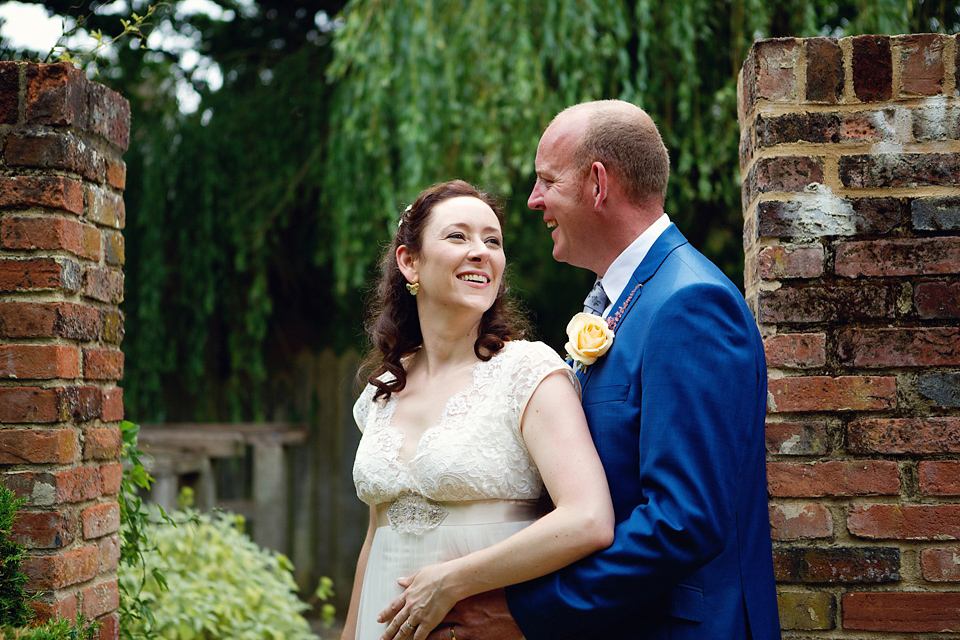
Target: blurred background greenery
{"points": [[275, 142]]}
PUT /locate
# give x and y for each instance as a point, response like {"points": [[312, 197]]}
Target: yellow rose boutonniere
{"points": [[588, 338]]}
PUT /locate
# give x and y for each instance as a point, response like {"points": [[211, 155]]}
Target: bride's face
{"points": [[461, 260]]}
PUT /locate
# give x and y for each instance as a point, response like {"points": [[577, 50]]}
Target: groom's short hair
{"points": [[626, 140]]}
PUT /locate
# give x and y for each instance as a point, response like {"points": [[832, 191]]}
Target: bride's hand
{"points": [[421, 607]]}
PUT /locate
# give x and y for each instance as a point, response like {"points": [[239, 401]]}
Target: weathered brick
{"points": [[899, 170], [833, 478], [905, 521], [817, 304], [872, 68], [79, 404], [937, 299], [106, 208], [102, 443], [899, 347], [45, 529], [100, 520], [822, 393], [940, 565], [817, 213], [49, 192], [930, 434], [796, 350], [936, 214], [901, 612], [111, 475], [942, 388], [56, 94], [785, 173], [837, 565], [776, 60], [806, 610], [935, 123], [28, 233], [55, 151], [798, 127], [9, 92], [38, 446], [114, 248], [108, 115], [824, 70], [109, 627], [921, 61], [109, 553], [803, 261], [28, 404], [32, 404], [39, 274], [39, 361], [939, 477], [49, 320], [112, 409], [793, 521], [102, 364], [47, 489], [908, 257], [796, 438], [112, 326], [62, 569], [101, 598], [746, 148], [117, 174], [864, 126], [62, 606], [104, 284]]}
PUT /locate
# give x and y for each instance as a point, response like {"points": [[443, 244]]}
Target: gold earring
{"points": [[413, 288]]}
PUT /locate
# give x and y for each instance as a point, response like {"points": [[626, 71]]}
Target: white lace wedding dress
{"points": [[471, 483]]}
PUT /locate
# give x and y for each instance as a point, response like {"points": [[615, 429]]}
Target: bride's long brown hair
{"points": [[393, 326]]}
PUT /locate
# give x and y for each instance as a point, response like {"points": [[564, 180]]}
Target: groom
{"points": [[676, 408]]}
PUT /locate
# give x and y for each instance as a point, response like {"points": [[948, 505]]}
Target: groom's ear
{"points": [[598, 185]]}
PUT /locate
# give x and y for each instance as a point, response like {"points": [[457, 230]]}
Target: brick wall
{"points": [[850, 152], [61, 279]]}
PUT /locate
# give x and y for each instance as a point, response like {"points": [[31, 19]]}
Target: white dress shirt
{"points": [[618, 274]]}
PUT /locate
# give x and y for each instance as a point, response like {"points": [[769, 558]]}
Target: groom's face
{"points": [[559, 194]]}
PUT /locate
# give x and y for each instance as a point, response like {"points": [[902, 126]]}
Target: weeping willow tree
{"points": [[256, 221]]}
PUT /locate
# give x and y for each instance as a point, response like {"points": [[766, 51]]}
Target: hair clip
{"points": [[404, 215]]}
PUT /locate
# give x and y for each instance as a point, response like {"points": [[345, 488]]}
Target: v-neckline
{"points": [[395, 400]]}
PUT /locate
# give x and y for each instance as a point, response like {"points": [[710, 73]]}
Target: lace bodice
{"points": [[475, 451]]}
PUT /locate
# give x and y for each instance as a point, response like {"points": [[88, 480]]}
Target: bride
{"points": [[465, 426]]}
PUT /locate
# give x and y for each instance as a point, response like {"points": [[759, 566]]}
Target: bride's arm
{"points": [[556, 434], [350, 626]]}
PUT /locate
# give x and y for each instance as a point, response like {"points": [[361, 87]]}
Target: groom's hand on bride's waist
{"points": [[484, 616]]}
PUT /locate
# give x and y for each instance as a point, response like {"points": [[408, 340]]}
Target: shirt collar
{"points": [[618, 273]]}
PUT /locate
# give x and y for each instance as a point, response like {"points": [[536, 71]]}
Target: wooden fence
{"points": [[291, 478]]}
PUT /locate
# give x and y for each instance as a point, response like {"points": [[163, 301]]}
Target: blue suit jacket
{"points": [[676, 408]]}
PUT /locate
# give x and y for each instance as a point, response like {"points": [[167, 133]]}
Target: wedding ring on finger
{"points": [[408, 625]]}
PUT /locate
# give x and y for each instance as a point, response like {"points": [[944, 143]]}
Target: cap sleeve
{"points": [[532, 362], [363, 407]]}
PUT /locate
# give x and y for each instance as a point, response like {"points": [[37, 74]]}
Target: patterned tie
{"points": [[596, 301]]}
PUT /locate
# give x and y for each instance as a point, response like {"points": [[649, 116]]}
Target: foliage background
{"points": [[254, 220]]}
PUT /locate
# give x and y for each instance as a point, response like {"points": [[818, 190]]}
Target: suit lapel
{"points": [[668, 241]]}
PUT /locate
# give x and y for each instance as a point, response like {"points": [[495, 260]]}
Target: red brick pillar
{"points": [[61, 280], [850, 152]]}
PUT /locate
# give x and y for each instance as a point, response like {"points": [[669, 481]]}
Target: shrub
{"points": [[221, 584], [15, 611], [58, 629], [13, 598]]}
